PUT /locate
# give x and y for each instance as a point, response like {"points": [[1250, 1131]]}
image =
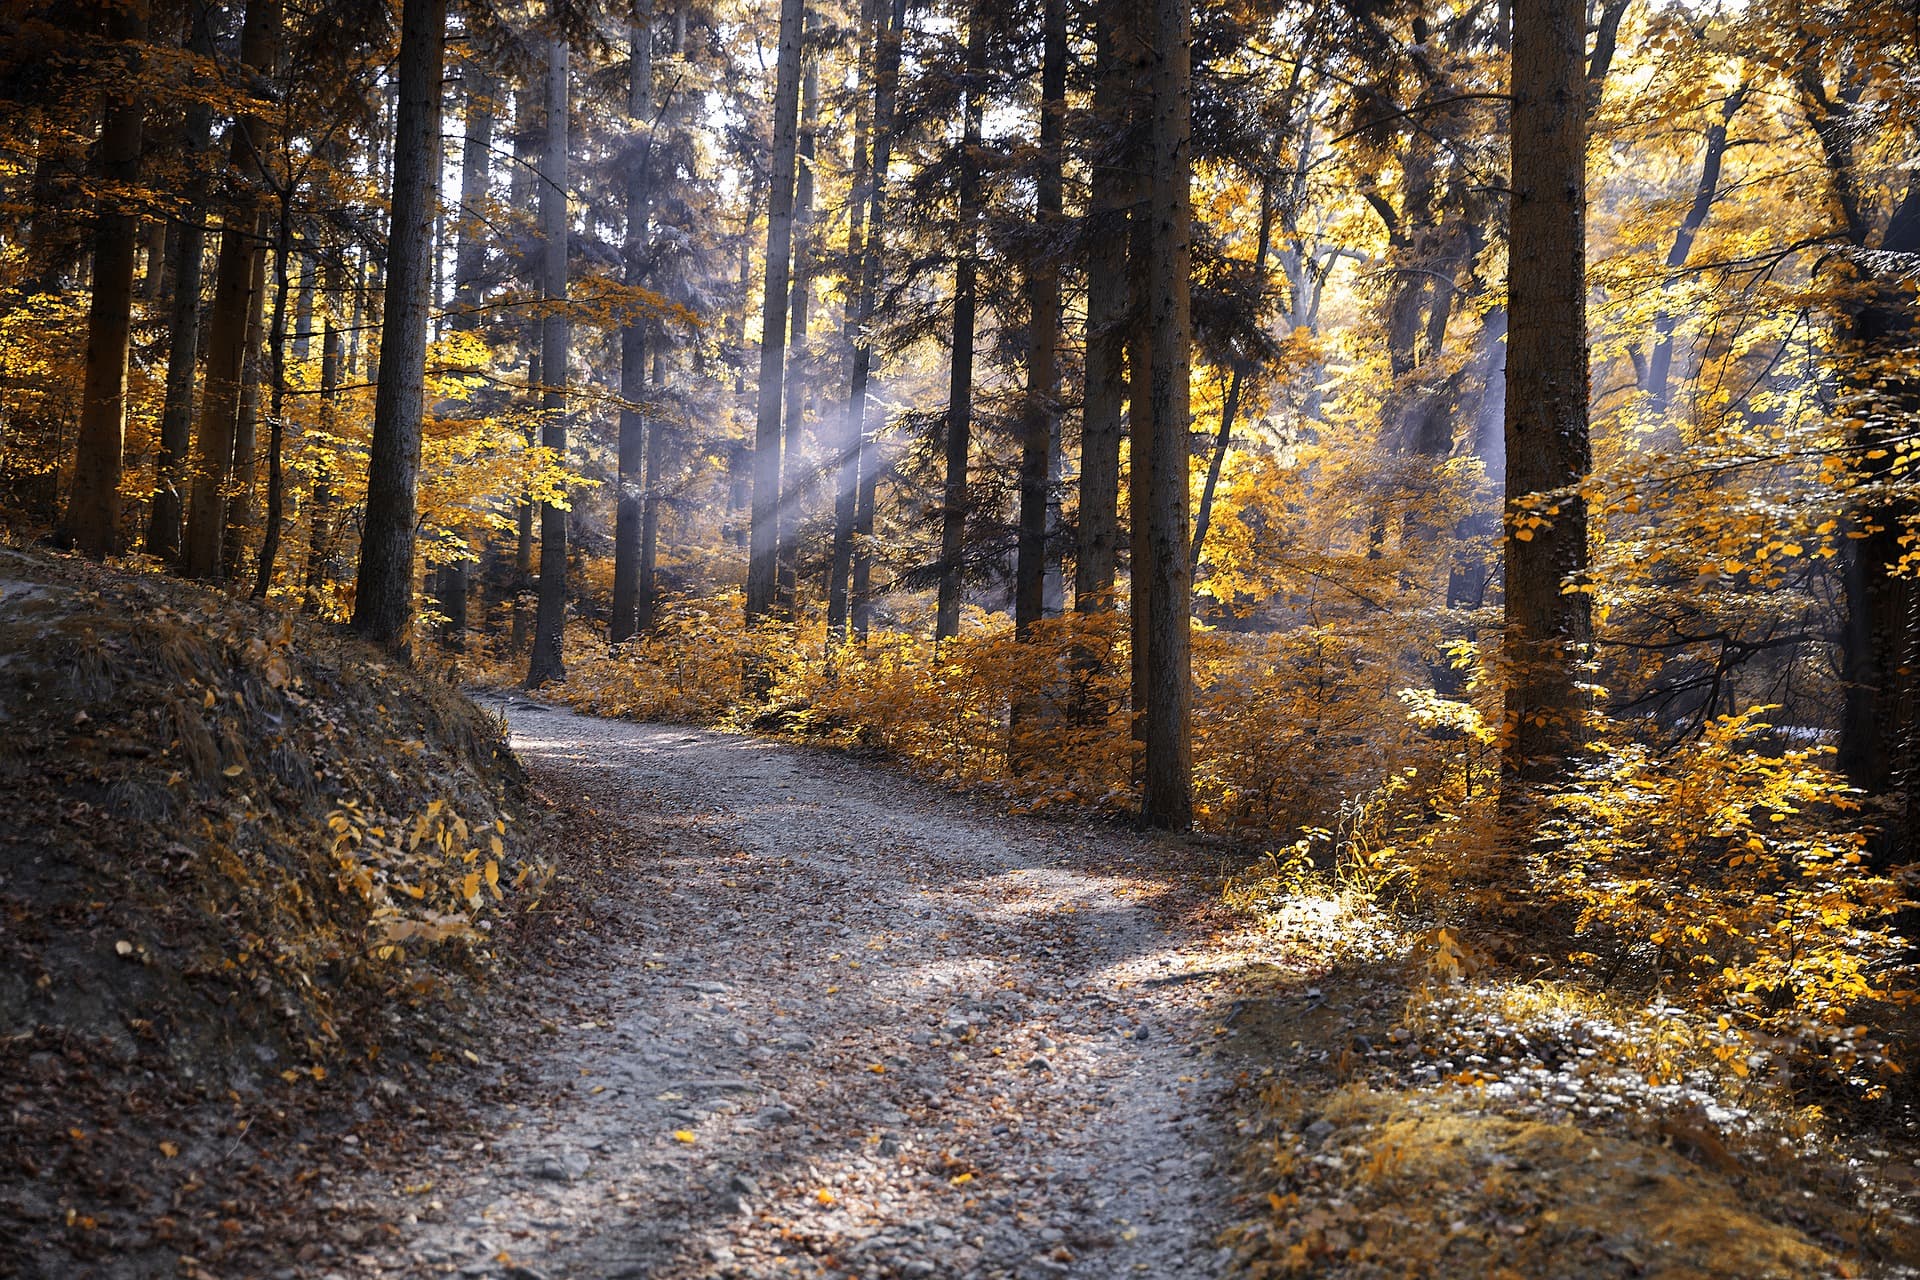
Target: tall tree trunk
{"points": [[320, 522], [629, 515], [764, 532], [1108, 292], [230, 318], [469, 270], [93, 509], [246, 424], [550, 619], [187, 246], [886, 88], [384, 591], [276, 409], [1040, 425], [847, 470], [1167, 796], [303, 308], [966, 266], [1547, 628], [647, 604], [795, 482]]}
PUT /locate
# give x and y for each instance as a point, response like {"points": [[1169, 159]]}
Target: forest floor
{"points": [[828, 1021], [780, 1011], [822, 1020]]}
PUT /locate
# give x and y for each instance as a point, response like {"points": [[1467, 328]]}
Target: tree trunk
{"points": [[383, 595], [550, 618], [647, 604], [1166, 799], [886, 86], [764, 532], [469, 271], [1041, 419], [959, 432], [93, 508], [246, 424], [795, 482], [847, 443], [629, 512], [1547, 629], [276, 410], [320, 521], [1108, 310], [229, 320], [187, 247]]}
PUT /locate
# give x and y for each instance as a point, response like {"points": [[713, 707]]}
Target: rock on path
{"points": [[849, 1026]]}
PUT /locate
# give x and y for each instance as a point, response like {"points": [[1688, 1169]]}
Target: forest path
{"points": [[837, 1023]]}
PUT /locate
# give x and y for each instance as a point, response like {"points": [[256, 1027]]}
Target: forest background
{"points": [[1188, 414]]}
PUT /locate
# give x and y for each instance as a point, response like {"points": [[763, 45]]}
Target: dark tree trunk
{"points": [[1108, 310], [886, 85], [646, 611], [846, 487], [246, 425], [1547, 628], [549, 627], [229, 321], [959, 426], [92, 521], [276, 409], [629, 510], [764, 532], [384, 594], [795, 483], [320, 521], [1167, 794], [187, 247], [1041, 419]]}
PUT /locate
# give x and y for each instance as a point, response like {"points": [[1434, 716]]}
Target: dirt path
{"points": [[843, 1025]]}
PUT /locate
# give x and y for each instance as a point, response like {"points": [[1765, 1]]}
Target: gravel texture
{"points": [[835, 1023]]}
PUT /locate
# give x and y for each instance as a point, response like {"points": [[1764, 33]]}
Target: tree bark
{"points": [[246, 423], [1166, 799], [92, 520], [1108, 307], [1547, 628], [846, 494], [1041, 419], [276, 409], [959, 427], [230, 318], [764, 530], [629, 510], [187, 247], [550, 616], [646, 612], [384, 594], [886, 87], [469, 272], [320, 521], [795, 482]]}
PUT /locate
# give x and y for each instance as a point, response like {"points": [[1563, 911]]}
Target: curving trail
{"points": [[838, 1024]]}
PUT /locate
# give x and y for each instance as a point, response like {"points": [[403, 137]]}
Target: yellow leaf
{"points": [[683, 1135], [877, 1068], [169, 1149], [234, 770], [470, 887], [493, 878], [962, 1180], [824, 1196]]}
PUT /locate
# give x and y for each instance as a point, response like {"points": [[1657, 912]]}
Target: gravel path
{"points": [[842, 1025]]}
